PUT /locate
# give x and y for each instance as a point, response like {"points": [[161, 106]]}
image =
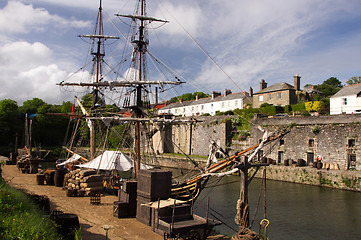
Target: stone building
{"points": [[335, 139], [279, 94]]}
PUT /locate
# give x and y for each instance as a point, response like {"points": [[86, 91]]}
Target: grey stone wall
{"points": [[324, 136], [192, 138], [288, 97], [339, 179]]}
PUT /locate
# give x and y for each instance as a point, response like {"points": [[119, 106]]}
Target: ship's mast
{"points": [[140, 48], [141, 44]]}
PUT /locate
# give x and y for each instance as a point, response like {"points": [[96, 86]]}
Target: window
{"points": [[211, 106], [280, 157], [269, 96], [222, 104], [279, 95], [311, 143], [344, 101], [192, 109], [236, 103], [184, 109], [260, 98], [282, 141], [202, 107], [351, 161], [176, 111], [351, 143]]}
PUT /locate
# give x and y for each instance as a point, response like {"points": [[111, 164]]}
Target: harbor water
{"points": [[295, 211]]}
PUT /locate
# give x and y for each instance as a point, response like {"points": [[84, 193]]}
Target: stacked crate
{"points": [[153, 185], [127, 197]]}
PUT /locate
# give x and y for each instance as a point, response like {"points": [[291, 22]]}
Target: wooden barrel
{"points": [[49, 178], [319, 165], [300, 162], [59, 177], [68, 223], [286, 162], [40, 179]]}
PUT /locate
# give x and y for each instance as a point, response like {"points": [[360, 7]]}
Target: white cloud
{"points": [[26, 72], [17, 17]]}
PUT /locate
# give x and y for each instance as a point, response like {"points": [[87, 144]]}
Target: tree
{"points": [[354, 80], [10, 122], [330, 86], [334, 82], [31, 106], [189, 96]]}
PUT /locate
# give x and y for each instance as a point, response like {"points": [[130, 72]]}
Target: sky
{"points": [[212, 45]]}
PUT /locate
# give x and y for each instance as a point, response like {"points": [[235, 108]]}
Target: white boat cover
{"points": [[73, 158], [111, 160]]}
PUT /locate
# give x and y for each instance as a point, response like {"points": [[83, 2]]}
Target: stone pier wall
{"points": [[339, 179]]}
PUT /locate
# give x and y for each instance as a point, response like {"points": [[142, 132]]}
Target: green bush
{"points": [[288, 109], [270, 110]]}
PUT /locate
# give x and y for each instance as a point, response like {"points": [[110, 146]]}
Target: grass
{"points": [[20, 218]]}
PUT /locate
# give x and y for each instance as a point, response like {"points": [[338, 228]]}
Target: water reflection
{"points": [[295, 211]]}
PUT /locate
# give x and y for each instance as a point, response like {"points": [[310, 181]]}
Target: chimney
{"points": [[197, 97], [263, 84], [215, 94], [181, 100], [227, 91], [156, 95], [297, 80], [251, 92]]}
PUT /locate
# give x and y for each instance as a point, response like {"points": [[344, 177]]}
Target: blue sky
{"points": [[250, 40]]}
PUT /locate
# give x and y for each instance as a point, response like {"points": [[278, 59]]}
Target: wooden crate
{"points": [[154, 184], [121, 209]]}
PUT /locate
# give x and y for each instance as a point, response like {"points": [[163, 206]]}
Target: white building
{"points": [[210, 105], [347, 100]]}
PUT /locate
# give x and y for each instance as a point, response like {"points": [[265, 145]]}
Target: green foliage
{"points": [[189, 96], [299, 107], [66, 107], [219, 113], [21, 219], [269, 110], [288, 109], [315, 130], [10, 122], [263, 105], [120, 136], [354, 80], [31, 106], [330, 86]]}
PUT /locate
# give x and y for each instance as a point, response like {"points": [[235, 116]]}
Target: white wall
{"points": [[210, 108], [338, 106]]}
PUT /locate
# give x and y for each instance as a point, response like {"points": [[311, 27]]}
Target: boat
{"points": [[137, 102]]}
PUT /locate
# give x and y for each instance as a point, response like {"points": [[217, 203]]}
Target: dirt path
{"points": [[92, 218]]}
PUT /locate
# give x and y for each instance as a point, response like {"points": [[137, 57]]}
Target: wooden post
{"points": [[242, 217]]}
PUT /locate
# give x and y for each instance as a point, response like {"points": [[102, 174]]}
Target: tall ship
{"points": [[117, 104]]}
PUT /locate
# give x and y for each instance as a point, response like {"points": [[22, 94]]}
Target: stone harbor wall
{"points": [[333, 139], [192, 138], [339, 179]]}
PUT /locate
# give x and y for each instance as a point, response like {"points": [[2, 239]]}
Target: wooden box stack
{"points": [[128, 194], [153, 184]]}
